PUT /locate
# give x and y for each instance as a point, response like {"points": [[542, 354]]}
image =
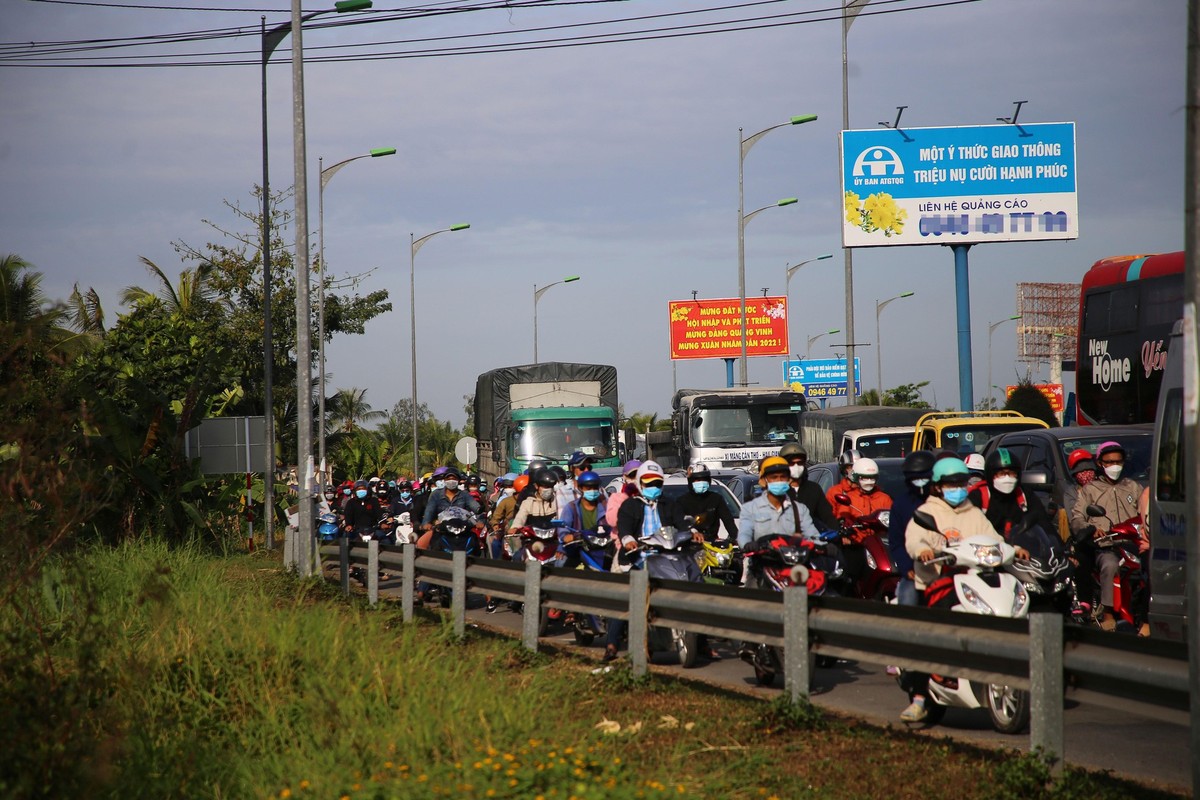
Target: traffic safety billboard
{"points": [[713, 328], [959, 185]]}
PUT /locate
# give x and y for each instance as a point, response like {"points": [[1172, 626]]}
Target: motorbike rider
{"points": [[568, 490], [865, 498], [403, 500], [774, 511], [976, 466], [1118, 496], [539, 509], [628, 489], [1002, 499], [956, 518], [361, 512], [584, 514], [712, 519], [806, 491], [846, 468], [451, 494], [918, 470]]}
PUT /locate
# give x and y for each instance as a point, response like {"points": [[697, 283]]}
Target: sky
{"points": [[616, 162]]}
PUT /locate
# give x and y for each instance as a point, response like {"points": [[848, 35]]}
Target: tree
{"points": [[1028, 401], [348, 409], [907, 395], [643, 422], [469, 407], [193, 296]]}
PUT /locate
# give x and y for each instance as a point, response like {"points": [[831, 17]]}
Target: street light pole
{"points": [[414, 246], [811, 339], [879, 340], [744, 146], [537, 295], [790, 271], [850, 10], [326, 176], [991, 329]]}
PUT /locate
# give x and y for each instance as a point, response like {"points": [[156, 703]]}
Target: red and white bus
{"points": [[1127, 305]]}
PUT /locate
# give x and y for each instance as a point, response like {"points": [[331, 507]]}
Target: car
{"points": [[742, 483], [891, 475], [676, 484], [1042, 454]]}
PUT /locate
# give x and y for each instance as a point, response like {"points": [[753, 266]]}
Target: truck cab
{"points": [[966, 432], [731, 427]]}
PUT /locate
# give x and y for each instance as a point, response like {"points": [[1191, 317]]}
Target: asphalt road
{"points": [[1148, 750]]}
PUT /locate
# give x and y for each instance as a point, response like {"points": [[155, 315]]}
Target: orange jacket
{"points": [[862, 504]]}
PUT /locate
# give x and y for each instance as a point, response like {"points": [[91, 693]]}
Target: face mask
{"points": [[439, 484], [360, 493], [346, 492], [778, 488], [1114, 471], [509, 492], [920, 483], [329, 498], [451, 484], [591, 495], [700, 487], [405, 495], [546, 494], [866, 484], [651, 493], [1005, 485], [797, 471], [954, 495], [1085, 477]]}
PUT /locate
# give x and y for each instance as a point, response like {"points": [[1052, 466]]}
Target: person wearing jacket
{"points": [[774, 511], [1118, 496], [1000, 496], [918, 470], [362, 511], [711, 516], [806, 491], [628, 489], [585, 514]]}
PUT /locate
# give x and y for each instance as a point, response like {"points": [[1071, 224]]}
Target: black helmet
{"points": [[544, 477], [451, 472], [793, 450], [559, 472], [534, 466], [918, 463], [847, 459], [472, 480], [699, 472], [998, 459]]}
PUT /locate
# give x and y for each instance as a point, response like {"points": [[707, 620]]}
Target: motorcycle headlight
{"points": [[1032, 588], [989, 555], [977, 602], [870, 560], [789, 554], [885, 517], [724, 559], [1020, 602]]}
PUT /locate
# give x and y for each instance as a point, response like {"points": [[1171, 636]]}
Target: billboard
{"points": [[821, 378], [959, 185], [713, 328], [1052, 391]]}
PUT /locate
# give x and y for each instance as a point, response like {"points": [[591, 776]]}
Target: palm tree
{"points": [[348, 409], [23, 305], [85, 312], [192, 296], [644, 423]]}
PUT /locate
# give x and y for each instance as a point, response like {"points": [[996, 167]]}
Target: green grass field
{"points": [[155, 672]]}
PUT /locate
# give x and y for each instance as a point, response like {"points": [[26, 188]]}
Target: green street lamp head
{"points": [[835, 330], [572, 278], [351, 5], [787, 201], [461, 226], [822, 258], [803, 118], [379, 152], [907, 294], [1015, 316]]}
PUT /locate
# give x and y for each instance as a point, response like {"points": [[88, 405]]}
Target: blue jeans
{"points": [[906, 592]]}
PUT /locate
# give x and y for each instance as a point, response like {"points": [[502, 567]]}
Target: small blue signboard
{"points": [[980, 183], [821, 378]]}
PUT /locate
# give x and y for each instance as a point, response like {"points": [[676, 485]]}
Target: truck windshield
{"points": [[557, 439], [967, 439], [760, 424]]}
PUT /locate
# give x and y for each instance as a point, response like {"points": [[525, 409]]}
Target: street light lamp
{"points": [[327, 175], [537, 295], [744, 145], [880, 306], [992, 329], [790, 271], [414, 246], [811, 339]]}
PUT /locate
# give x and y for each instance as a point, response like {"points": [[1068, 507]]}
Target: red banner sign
{"points": [[713, 328], [1053, 392]]}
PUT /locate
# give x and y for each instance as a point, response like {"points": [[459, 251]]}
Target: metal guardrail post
{"points": [[458, 592], [344, 561], [795, 643], [531, 613], [408, 581], [639, 623], [1046, 724], [373, 572]]}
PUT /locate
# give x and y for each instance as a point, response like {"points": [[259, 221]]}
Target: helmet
{"points": [[918, 463], [1109, 447], [535, 465], [630, 466], [439, 472], [374, 479], [544, 477], [360, 484], [865, 468], [588, 478], [699, 472], [472, 480], [949, 468], [450, 472], [507, 477], [974, 462], [848, 458], [560, 474], [793, 450], [381, 488], [520, 482], [578, 459], [772, 464], [1079, 460], [650, 470], [998, 459]]}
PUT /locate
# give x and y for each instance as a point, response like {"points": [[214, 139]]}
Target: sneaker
{"points": [[914, 713], [492, 606], [610, 652], [1108, 623], [893, 670]]}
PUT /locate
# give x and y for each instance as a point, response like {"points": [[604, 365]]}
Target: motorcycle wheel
{"points": [[825, 662], [1008, 707], [444, 599], [686, 646], [763, 676], [543, 621], [583, 637]]}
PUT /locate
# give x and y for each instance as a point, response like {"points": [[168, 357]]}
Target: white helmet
{"points": [[866, 468]]}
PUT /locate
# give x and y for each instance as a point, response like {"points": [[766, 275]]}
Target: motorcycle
{"points": [[328, 529], [1047, 573], [720, 562], [592, 551], [1129, 586], [664, 557], [869, 531], [978, 573], [404, 531], [541, 544], [778, 562], [454, 530]]}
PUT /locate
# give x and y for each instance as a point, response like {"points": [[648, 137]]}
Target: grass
{"points": [[147, 671]]}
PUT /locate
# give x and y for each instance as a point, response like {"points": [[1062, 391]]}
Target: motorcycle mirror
{"points": [[1095, 511], [842, 499], [925, 520]]}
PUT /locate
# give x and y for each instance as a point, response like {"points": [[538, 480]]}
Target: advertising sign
{"points": [[821, 378], [1052, 391], [960, 185], [713, 328]]}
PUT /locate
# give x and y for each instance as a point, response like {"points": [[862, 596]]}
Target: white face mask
{"points": [[1005, 485], [1114, 471], [546, 494], [920, 483], [867, 484], [509, 492], [796, 471]]}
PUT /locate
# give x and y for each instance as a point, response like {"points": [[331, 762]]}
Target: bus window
{"points": [[1172, 485]]}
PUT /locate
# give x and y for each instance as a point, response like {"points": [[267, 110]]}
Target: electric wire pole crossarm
{"points": [[537, 295]]}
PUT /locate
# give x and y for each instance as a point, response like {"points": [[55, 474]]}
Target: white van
{"points": [[1168, 503]]}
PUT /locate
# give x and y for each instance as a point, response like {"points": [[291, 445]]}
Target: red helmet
{"points": [[1078, 456], [520, 483]]}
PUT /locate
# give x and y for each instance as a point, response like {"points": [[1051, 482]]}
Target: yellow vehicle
{"points": [[966, 432]]}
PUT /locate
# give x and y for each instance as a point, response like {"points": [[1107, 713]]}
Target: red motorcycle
{"points": [[541, 544], [1129, 586], [869, 531]]}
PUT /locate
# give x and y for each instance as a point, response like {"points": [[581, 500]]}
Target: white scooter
{"points": [[983, 586]]}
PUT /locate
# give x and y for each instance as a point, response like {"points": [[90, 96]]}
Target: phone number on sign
{"points": [[825, 391]]}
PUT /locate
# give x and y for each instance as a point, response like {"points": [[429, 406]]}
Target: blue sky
{"points": [[617, 163]]}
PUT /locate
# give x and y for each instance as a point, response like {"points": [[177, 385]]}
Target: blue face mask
{"points": [[405, 495], [954, 495], [700, 487], [360, 493], [778, 488], [651, 493], [591, 495]]}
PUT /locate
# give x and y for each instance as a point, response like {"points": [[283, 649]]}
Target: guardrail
{"points": [[1039, 654]]}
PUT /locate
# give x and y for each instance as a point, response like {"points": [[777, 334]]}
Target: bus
{"points": [[1127, 307]]}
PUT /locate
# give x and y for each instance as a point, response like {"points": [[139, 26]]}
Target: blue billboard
{"points": [[959, 185], [821, 378]]}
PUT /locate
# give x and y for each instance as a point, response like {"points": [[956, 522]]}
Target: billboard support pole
{"points": [[962, 299], [729, 372]]}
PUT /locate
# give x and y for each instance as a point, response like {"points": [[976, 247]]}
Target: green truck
{"points": [[545, 411]]}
